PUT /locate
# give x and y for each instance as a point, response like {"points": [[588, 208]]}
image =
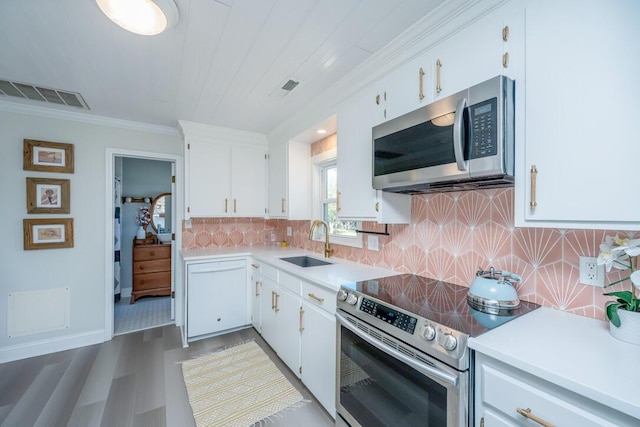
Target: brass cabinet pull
{"points": [[276, 306], [505, 60], [257, 288], [225, 205], [527, 414], [273, 296], [505, 33], [421, 81], [377, 206], [234, 205], [255, 265], [301, 313], [283, 205], [438, 67], [378, 99], [316, 297], [338, 201], [534, 174]]}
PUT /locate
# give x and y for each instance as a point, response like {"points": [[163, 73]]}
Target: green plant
{"points": [[621, 253]]}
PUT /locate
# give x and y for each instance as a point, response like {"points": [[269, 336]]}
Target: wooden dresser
{"points": [[151, 268]]}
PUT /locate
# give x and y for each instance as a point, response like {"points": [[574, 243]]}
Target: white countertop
{"points": [[330, 276], [571, 351]]}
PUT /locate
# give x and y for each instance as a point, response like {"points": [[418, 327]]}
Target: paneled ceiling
{"points": [[222, 64]]}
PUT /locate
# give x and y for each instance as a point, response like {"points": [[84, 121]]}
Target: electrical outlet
{"points": [[590, 272], [289, 231], [187, 223]]}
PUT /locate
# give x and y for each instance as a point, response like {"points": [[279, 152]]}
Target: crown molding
{"points": [[52, 113], [220, 134]]}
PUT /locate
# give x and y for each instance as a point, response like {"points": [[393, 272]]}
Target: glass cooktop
{"points": [[441, 302]]}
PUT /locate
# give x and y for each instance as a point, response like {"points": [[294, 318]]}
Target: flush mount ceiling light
{"points": [[321, 131], [145, 17]]}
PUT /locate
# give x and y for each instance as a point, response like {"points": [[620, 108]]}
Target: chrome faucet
{"points": [[327, 249]]}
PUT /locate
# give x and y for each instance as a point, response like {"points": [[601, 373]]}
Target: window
{"points": [[340, 232], [329, 193]]}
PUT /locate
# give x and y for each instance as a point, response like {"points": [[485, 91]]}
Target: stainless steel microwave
{"points": [[461, 142]]}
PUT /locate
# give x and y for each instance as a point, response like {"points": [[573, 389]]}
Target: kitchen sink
{"points": [[305, 261]]}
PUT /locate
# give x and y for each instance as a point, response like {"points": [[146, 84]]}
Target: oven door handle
{"points": [[422, 368]]}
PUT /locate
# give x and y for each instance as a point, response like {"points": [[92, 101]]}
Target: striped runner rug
{"points": [[236, 387]]}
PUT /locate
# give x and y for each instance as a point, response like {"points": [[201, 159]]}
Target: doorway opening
{"points": [[142, 239]]}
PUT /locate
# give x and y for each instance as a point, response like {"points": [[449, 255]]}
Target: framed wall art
{"points": [[48, 233], [45, 156], [46, 195]]}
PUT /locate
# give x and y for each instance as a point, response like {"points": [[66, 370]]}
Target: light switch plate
{"points": [[289, 231], [372, 243]]}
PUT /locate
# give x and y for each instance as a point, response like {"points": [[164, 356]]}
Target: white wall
{"points": [[81, 268]]}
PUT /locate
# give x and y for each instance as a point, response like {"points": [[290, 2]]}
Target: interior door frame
{"points": [[177, 282]]}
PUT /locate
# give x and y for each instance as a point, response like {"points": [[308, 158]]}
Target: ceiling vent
{"points": [[43, 94], [285, 88]]}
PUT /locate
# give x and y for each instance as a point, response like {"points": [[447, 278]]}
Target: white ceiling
{"points": [[222, 64]]}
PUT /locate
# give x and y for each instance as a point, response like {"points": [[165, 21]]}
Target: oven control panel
{"points": [[393, 317]]}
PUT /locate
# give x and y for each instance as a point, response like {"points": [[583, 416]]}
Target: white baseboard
{"points": [[51, 345]]}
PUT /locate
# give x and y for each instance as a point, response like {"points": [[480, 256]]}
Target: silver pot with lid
{"points": [[494, 291]]}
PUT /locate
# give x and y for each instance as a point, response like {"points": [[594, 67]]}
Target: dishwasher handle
{"points": [[212, 267]]}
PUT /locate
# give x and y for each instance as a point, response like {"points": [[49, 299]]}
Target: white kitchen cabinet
{"points": [[318, 344], [225, 172], [581, 103], [357, 198], [469, 57], [504, 393], [216, 297], [255, 290], [280, 323], [290, 181]]}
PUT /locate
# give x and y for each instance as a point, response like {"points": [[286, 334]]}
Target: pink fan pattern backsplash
{"points": [[450, 236]]}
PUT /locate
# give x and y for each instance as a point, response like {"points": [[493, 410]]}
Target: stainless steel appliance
{"points": [[461, 142], [402, 351]]}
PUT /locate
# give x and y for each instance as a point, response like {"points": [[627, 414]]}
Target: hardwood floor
{"points": [[133, 380]]}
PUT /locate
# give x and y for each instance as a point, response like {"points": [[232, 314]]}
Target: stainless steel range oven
{"points": [[402, 352]]}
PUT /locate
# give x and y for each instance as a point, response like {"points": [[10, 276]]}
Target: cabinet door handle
{"points": [[276, 306], [438, 85], [534, 174], [421, 81], [338, 201], [527, 414], [505, 33], [301, 313], [225, 205], [283, 200], [255, 265], [273, 296], [234, 205], [316, 297], [505, 60], [377, 206], [257, 288]]}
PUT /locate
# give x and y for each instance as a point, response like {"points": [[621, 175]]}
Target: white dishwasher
{"points": [[216, 297]]}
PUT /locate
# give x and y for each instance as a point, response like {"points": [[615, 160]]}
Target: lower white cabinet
{"points": [[297, 321], [280, 310], [216, 297], [255, 289], [507, 396], [318, 354]]}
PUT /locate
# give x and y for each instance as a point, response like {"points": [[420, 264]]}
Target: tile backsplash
{"points": [[450, 236]]}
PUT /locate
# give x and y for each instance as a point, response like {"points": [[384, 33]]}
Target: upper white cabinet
{"points": [[357, 200], [225, 172], [579, 167], [289, 181]]}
